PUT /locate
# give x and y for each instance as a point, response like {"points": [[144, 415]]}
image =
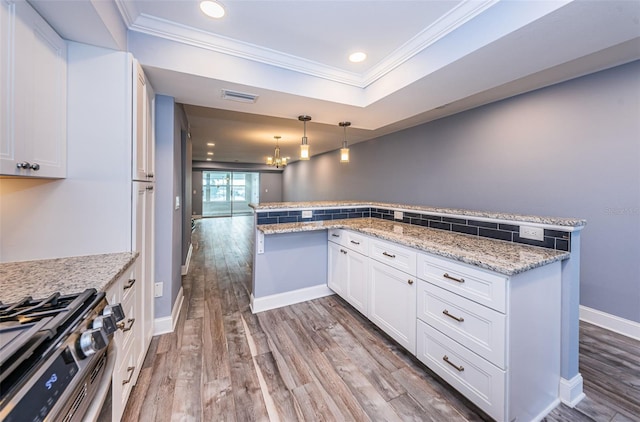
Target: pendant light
{"points": [[344, 151], [277, 161], [304, 147]]}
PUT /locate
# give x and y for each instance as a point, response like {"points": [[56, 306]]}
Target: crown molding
{"points": [[449, 22], [187, 35]]}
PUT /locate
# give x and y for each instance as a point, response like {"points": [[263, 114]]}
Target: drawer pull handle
{"points": [[459, 319], [343, 251], [388, 254], [458, 368], [122, 326], [335, 235], [355, 243], [410, 282], [129, 284], [130, 370], [459, 280]]}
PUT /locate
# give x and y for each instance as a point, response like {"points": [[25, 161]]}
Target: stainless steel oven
{"points": [[56, 357]]}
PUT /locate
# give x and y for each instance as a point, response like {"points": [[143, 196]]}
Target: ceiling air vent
{"points": [[243, 97]]}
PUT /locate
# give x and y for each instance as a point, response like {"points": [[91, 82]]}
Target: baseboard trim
{"points": [[571, 390], [167, 324], [279, 300], [546, 411], [185, 267], [610, 322]]}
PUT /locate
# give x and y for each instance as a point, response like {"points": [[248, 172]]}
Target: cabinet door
{"points": [[139, 123], [142, 242], [34, 94], [357, 280], [337, 271], [392, 303]]}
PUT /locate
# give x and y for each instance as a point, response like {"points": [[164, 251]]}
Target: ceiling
{"points": [[426, 59]]}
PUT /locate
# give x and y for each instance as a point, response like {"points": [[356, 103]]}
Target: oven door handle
{"points": [[101, 393]]}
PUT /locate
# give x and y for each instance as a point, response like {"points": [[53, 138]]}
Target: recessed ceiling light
{"points": [[208, 159], [211, 144], [357, 57], [209, 153], [212, 9]]}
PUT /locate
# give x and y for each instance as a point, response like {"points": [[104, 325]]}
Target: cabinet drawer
{"points": [[399, 257], [475, 326], [336, 236], [356, 242], [480, 381], [129, 324], [484, 287]]}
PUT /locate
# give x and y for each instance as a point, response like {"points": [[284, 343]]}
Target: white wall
{"points": [[570, 150]]}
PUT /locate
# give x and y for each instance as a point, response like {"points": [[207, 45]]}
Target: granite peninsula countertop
{"points": [[495, 255], [450, 212], [42, 278]]}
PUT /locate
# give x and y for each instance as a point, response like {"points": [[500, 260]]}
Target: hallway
{"points": [[318, 360]]}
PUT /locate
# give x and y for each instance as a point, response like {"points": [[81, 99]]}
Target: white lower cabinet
{"points": [[128, 339], [392, 303], [348, 273], [494, 338]]}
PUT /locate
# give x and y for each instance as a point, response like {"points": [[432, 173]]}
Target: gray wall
{"points": [[168, 240], [572, 150], [270, 187], [187, 197]]}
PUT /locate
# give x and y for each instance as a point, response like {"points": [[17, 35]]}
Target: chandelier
{"points": [[276, 160]]}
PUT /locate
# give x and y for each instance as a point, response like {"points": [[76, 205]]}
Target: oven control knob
{"points": [[115, 310], [106, 322], [92, 341]]}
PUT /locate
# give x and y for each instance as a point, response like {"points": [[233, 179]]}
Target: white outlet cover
{"points": [[533, 233], [398, 215], [307, 214]]}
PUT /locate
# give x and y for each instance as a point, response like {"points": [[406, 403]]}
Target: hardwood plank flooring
{"points": [[321, 360]]}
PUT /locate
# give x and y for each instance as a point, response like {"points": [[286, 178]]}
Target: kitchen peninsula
{"points": [[489, 301]]}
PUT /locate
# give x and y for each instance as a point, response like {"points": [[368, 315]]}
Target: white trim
{"points": [[571, 391], [166, 325], [540, 416], [610, 322], [185, 268], [279, 300]]}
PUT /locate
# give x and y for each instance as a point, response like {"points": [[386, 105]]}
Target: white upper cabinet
{"points": [[33, 89], [143, 141]]}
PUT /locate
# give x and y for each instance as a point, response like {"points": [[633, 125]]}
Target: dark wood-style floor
{"points": [[320, 360]]}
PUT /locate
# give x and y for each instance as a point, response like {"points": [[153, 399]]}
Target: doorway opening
{"points": [[229, 193]]}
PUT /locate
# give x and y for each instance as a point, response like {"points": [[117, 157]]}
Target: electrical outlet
{"points": [[307, 214], [398, 215], [157, 292], [533, 233]]}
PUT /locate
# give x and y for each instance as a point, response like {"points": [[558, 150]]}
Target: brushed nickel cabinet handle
{"points": [[335, 235], [410, 282], [459, 319], [125, 329], [343, 251], [459, 280], [458, 368], [388, 254], [355, 243], [130, 370], [129, 284], [25, 165]]}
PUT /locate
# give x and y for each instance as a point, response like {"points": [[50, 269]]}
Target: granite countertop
{"points": [[495, 255], [42, 278], [451, 212]]}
